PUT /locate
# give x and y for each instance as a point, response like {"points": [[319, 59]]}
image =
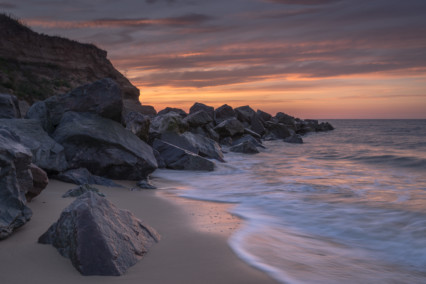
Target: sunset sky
{"points": [[308, 58]]}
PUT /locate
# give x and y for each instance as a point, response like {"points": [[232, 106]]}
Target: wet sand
{"points": [[193, 248]]}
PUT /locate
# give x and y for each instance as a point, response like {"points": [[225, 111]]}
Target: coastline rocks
{"points": [[195, 143], [99, 238], [104, 147], [15, 181], [167, 110], [180, 159], [200, 106], [246, 147], [47, 153], [244, 113], [264, 116], [169, 122], [82, 176], [276, 131], [138, 124], [244, 138], [230, 127], [145, 184], [223, 113], [9, 106], [80, 190], [102, 97], [198, 118], [40, 181], [135, 106], [295, 139]]}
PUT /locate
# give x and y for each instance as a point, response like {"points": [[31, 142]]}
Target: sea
{"points": [[346, 206]]}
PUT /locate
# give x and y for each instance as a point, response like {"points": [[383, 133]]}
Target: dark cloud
{"points": [[6, 5], [305, 2]]}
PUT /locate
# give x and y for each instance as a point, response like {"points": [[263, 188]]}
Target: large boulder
{"points": [[195, 143], [200, 106], [276, 130], [135, 106], [246, 147], [47, 153], [180, 159], [138, 124], [82, 176], [294, 139], [40, 181], [244, 113], [229, 127], [285, 119], [169, 122], [99, 238], [223, 113], [264, 116], [9, 106], [198, 118], [179, 111], [15, 181], [103, 97], [104, 147]]}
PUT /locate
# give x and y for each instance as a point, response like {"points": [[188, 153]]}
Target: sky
{"points": [[308, 58]]}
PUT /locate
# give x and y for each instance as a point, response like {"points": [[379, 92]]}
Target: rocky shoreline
{"points": [[91, 135]]}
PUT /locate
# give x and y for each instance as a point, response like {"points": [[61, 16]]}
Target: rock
{"points": [[15, 181], [211, 133], [256, 125], [276, 130], [264, 116], [179, 111], [40, 181], [99, 238], [196, 144], [160, 160], [295, 139], [102, 97], [80, 190], [252, 133], [145, 184], [82, 176], [104, 147], [229, 127], [325, 126], [285, 119], [47, 153], [244, 138], [135, 106], [227, 141], [199, 118], [223, 113], [244, 113], [169, 122], [23, 107], [138, 124], [199, 106], [9, 106], [180, 159], [246, 147]]}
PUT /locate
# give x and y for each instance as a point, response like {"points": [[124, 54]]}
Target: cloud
{"points": [[304, 2], [6, 5]]}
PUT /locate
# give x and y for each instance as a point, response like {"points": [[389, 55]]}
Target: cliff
{"points": [[35, 66]]}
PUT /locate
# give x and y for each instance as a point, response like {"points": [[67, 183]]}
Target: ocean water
{"points": [[347, 206]]}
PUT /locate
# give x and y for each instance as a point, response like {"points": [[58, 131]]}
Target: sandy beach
{"points": [[193, 248]]}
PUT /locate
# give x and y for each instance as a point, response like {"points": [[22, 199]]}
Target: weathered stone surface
{"points": [[23, 107], [198, 118], [104, 147], [179, 111], [82, 189], [244, 138], [244, 113], [169, 122], [200, 106], [83, 176], [223, 113], [295, 139], [9, 106], [180, 159], [145, 184], [15, 181], [229, 127], [138, 124], [47, 153], [276, 131], [285, 119], [99, 238], [135, 106], [264, 116], [246, 147], [252, 133], [196, 144], [40, 181], [102, 97]]}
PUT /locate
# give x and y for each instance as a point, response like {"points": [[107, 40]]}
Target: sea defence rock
{"points": [[230, 127], [80, 190], [199, 106], [250, 138], [138, 124], [40, 181], [180, 159], [295, 139], [198, 118], [264, 116], [9, 106], [82, 176], [47, 153], [246, 147], [276, 130], [223, 113], [102, 97], [169, 122], [179, 111], [196, 144], [99, 238], [104, 147], [15, 181]]}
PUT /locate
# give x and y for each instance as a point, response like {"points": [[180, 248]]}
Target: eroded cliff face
{"points": [[35, 66]]}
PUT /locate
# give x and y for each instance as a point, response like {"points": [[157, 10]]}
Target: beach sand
{"points": [[193, 248]]}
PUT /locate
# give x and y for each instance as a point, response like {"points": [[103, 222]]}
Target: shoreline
{"points": [[193, 247]]}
